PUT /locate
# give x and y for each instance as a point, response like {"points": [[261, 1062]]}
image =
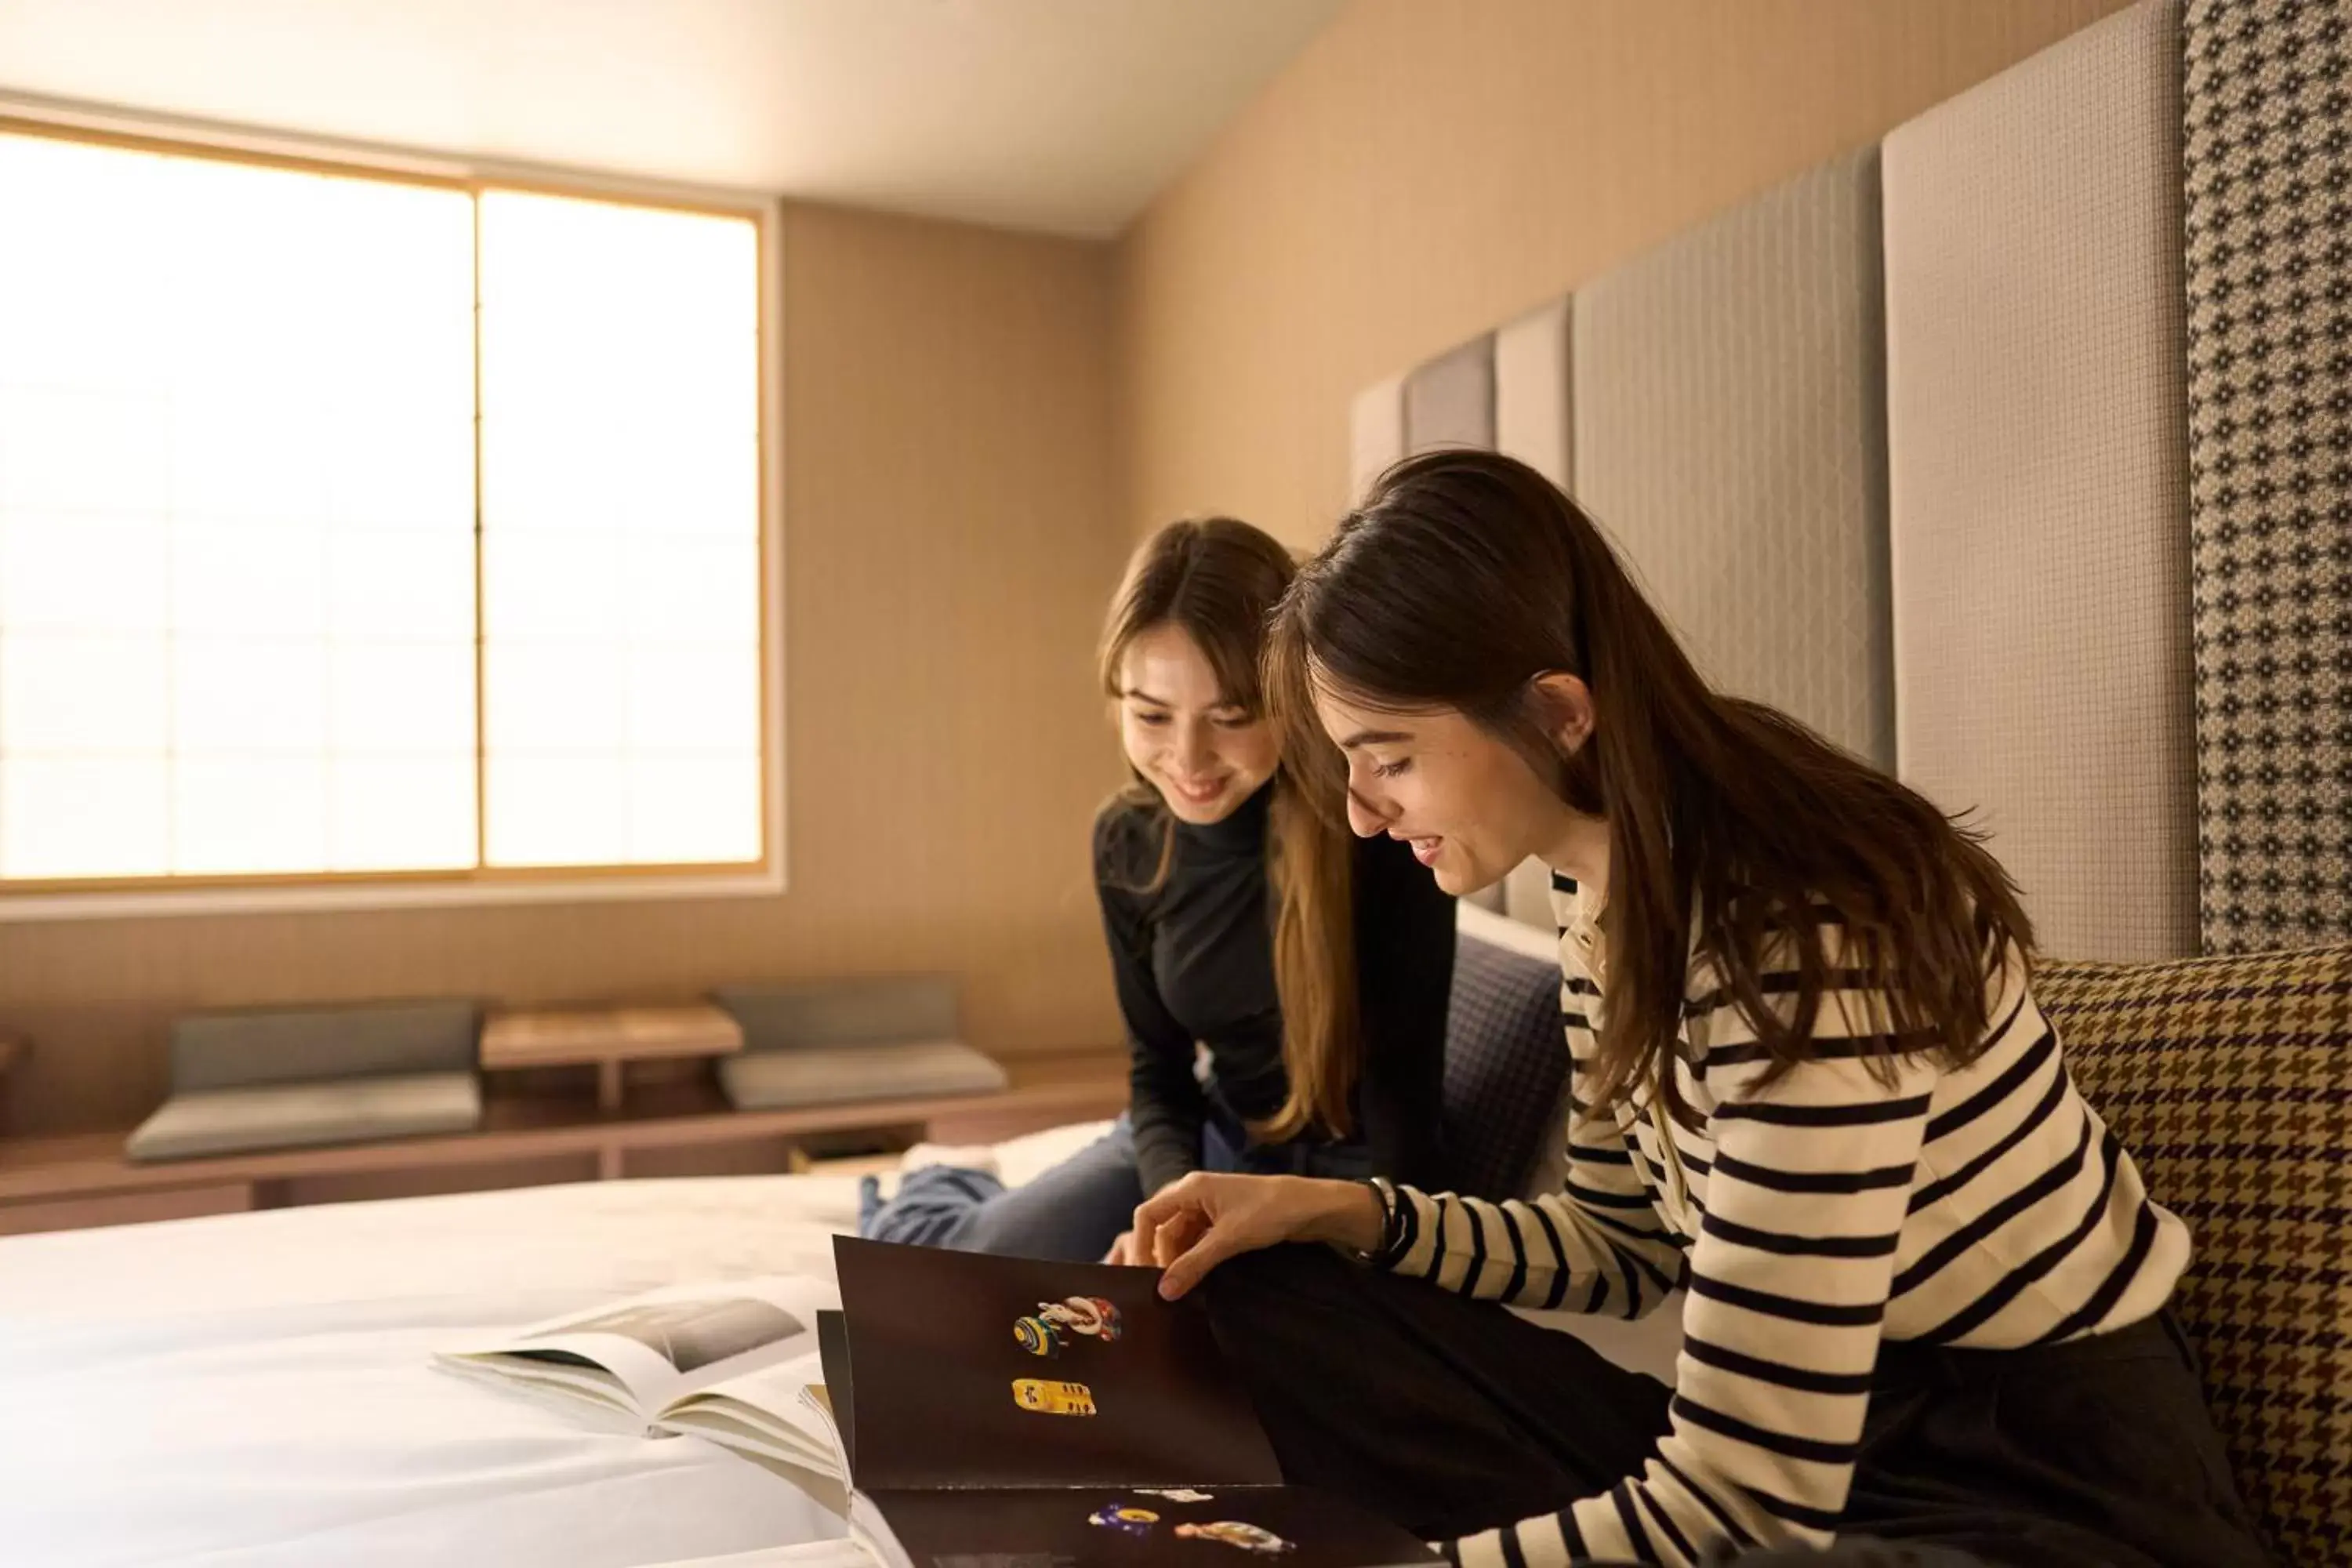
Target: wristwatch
{"points": [[1392, 1222]]}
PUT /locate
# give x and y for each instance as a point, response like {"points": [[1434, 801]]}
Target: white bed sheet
{"points": [[252, 1391]]}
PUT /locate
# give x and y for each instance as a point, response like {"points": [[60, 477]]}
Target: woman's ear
{"points": [[1563, 706]]}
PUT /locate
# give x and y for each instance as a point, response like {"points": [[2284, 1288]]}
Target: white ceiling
{"points": [[1065, 116]]}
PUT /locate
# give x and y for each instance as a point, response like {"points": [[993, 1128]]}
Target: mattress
{"points": [[252, 1391]]}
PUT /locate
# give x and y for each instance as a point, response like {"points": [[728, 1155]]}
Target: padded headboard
{"points": [[2038, 422], [1905, 447], [2267, 161], [1508, 391], [1730, 436]]}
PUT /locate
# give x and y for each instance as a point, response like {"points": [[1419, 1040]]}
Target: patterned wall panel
{"points": [[1450, 400], [1533, 408], [1730, 436], [2268, 162], [1532, 397], [2037, 419], [1509, 387], [1375, 434]]}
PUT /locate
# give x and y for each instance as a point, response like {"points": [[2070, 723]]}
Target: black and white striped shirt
{"points": [[1809, 1219]]}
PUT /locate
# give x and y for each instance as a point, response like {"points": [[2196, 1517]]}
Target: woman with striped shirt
{"points": [[1925, 1288]]}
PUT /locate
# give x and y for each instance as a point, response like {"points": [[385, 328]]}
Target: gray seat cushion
{"points": [[1506, 1069], [291, 1115], [837, 1074], [882, 1010], [303, 1045]]}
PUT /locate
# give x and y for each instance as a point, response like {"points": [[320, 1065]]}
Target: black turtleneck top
{"points": [[1194, 962]]}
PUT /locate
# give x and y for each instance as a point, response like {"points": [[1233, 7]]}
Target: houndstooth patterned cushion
{"points": [[2226, 1077], [1506, 1068]]}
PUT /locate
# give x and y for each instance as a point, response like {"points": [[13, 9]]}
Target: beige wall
{"points": [[958, 494], [949, 545], [1428, 168]]}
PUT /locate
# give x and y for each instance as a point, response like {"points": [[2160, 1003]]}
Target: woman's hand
{"points": [[1190, 1226], [1123, 1253]]}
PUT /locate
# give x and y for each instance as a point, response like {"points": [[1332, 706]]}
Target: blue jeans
{"points": [[1074, 1212]]}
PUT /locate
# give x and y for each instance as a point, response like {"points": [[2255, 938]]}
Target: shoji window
{"points": [[363, 526]]}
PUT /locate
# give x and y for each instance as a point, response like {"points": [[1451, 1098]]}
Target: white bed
{"points": [[252, 1391]]}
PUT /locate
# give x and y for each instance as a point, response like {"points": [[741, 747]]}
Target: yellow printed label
{"points": [[1048, 1398]]}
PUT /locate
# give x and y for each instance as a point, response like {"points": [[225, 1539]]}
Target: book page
{"points": [[666, 1344], [769, 1399], [837, 1394], [587, 1392], [972, 1371]]}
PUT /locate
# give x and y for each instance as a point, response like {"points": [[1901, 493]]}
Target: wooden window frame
{"points": [[213, 893]]}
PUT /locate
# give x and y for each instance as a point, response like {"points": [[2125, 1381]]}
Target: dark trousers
{"points": [[1449, 1416]]}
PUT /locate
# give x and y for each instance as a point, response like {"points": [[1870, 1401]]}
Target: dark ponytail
{"points": [[1465, 576]]}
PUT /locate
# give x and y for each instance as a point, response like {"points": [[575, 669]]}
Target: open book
{"points": [[999, 1413], [731, 1362]]}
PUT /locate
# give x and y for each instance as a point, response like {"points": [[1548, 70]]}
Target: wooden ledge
{"points": [[1046, 1090]]}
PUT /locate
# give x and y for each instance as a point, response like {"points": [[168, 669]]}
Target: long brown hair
{"points": [[1219, 578], [1465, 576]]}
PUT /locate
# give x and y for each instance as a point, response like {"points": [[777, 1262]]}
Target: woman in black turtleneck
{"points": [[1283, 983], [1195, 961]]}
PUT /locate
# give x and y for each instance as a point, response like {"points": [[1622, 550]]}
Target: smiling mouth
{"points": [[1200, 793], [1423, 850]]}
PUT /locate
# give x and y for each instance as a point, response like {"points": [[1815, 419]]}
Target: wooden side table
{"points": [[607, 1038]]}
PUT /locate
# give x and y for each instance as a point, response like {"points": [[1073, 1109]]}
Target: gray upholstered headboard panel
{"points": [[2038, 422], [1948, 522], [1505, 391], [1730, 436]]}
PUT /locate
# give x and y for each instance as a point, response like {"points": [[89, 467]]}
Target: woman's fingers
{"points": [[1181, 1234], [1159, 1211], [1161, 1205], [1213, 1248], [1190, 1226], [1176, 1233]]}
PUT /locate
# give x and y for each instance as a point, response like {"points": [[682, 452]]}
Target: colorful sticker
{"points": [[1055, 1323], [1136, 1521], [1090, 1315], [1036, 1336], [1047, 1398], [1233, 1533]]}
